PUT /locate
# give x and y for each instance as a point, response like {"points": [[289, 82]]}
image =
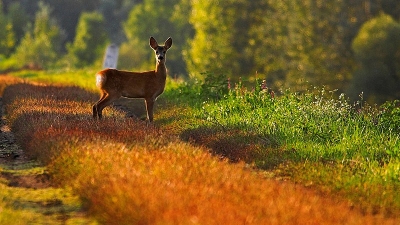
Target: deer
{"points": [[114, 84]]}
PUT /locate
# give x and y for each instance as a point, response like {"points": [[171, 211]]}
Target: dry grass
{"points": [[6, 81], [131, 173]]}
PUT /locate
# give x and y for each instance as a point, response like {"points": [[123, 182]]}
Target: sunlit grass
{"points": [[312, 138], [130, 172], [80, 77], [40, 204], [6, 81]]}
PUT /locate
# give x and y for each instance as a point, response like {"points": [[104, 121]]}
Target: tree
{"points": [[7, 35], [160, 19], [40, 46], [18, 19], [68, 13], [90, 41], [377, 49], [292, 43], [115, 12], [304, 42], [215, 46]]}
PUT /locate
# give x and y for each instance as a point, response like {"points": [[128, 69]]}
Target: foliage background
{"points": [[291, 43]]}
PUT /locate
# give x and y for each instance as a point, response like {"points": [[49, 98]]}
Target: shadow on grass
{"points": [[70, 93], [26, 190], [238, 145], [230, 143]]}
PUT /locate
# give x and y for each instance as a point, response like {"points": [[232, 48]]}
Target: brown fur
{"points": [[114, 84]]}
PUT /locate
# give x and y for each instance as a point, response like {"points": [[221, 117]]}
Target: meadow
{"points": [[313, 138], [217, 153]]}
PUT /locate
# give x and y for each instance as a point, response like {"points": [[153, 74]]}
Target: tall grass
{"points": [[313, 138], [79, 77], [132, 173]]}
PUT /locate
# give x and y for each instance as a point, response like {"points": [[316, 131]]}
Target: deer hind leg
{"points": [[149, 108], [105, 100], [95, 106]]}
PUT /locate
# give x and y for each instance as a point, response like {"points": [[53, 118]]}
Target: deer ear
{"points": [[153, 43], [168, 43]]}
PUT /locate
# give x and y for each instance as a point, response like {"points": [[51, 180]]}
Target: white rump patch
{"points": [[100, 80]]}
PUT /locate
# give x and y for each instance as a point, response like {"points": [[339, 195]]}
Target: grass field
{"points": [[215, 155], [312, 138]]}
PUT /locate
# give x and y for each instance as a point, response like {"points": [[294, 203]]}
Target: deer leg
{"points": [[107, 100], [149, 108], [95, 106]]}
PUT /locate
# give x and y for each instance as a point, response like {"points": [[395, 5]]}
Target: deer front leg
{"points": [[149, 108]]}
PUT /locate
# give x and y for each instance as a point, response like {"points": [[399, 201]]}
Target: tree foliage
{"points": [[289, 43], [18, 18], [90, 40], [159, 19], [41, 44], [7, 35], [213, 46], [292, 43], [377, 48]]}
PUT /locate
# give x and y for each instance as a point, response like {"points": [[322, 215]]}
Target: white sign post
{"points": [[111, 57]]}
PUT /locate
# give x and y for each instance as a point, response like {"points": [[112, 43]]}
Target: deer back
{"points": [[131, 84]]}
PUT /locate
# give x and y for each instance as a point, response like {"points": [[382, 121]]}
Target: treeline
{"points": [[352, 46]]}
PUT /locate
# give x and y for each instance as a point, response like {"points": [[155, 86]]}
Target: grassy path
{"points": [[131, 173], [27, 195]]}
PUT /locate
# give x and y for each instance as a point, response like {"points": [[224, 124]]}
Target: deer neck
{"points": [[161, 70]]}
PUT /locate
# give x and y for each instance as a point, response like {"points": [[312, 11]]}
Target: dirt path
{"points": [[13, 159], [26, 190], [10, 153], [20, 174]]}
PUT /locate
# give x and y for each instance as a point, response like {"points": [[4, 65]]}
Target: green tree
{"points": [[215, 46], [115, 12], [292, 43], [303, 42], [19, 19], [68, 13], [90, 41], [7, 35], [160, 19], [377, 49], [40, 46]]}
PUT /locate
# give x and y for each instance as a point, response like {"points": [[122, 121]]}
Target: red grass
{"points": [[131, 173]]}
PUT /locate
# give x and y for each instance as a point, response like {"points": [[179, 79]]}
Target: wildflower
{"points": [[263, 85]]}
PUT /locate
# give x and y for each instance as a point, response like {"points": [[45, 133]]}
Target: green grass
{"points": [[127, 172], [312, 138], [30, 203], [84, 78]]}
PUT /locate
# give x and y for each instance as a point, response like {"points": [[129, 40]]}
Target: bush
{"points": [[377, 48]]}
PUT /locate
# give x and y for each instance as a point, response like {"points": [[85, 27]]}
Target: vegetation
{"points": [[127, 172], [90, 40], [291, 43], [26, 194], [41, 45], [274, 112], [378, 74], [312, 137], [36, 203], [7, 35]]}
